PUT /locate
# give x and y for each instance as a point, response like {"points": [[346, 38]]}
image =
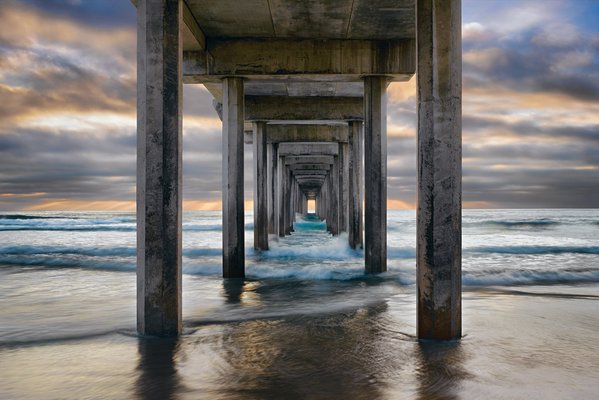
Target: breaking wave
{"points": [[537, 223], [536, 249]]}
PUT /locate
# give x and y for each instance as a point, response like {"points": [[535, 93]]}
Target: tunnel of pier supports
{"points": [[308, 90]]}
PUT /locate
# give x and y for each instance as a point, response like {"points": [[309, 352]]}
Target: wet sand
{"points": [[533, 342]]}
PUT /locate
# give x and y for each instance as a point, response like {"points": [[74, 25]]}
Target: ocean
{"points": [[307, 323]]}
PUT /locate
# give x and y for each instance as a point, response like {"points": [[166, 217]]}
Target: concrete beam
{"points": [[439, 210], [303, 167], [301, 172], [159, 161], [319, 179], [292, 160], [306, 133], [193, 31], [308, 148], [281, 108], [276, 133], [311, 184], [337, 59]]}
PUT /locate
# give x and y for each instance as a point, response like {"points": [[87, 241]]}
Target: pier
{"points": [[305, 82]]}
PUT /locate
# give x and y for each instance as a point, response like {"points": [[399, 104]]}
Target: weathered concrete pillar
{"points": [[355, 185], [325, 201], [281, 184], [297, 200], [346, 185], [375, 168], [260, 187], [291, 211], [334, 200], [269, 186], [274, 189], [317, 205], [304, 204], [159, 144], [288, 201], [342, 187], [233, 214], [439, 213]]}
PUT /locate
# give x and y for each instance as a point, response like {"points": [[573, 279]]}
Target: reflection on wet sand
{"points": [[439, 370], [158, 378], [358, 352], [305, 356], [232, 290]]}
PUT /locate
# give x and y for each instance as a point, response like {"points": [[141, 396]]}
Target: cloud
{"points": [[68, 94], [558, 35], [475, 32]]}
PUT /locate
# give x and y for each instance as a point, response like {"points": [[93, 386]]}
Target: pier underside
{"points": [[305, 82]]}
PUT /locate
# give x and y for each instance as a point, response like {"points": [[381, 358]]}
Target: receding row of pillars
{"points": [[281, 192], [159, 177]]}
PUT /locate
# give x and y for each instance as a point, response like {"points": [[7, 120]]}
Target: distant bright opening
{"points": [[311, 206]]}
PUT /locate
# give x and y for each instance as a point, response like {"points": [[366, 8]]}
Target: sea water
{"points": [[307, 322]]}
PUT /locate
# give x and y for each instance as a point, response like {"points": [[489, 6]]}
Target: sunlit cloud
{"points": [[36, 194], [68, 110]]}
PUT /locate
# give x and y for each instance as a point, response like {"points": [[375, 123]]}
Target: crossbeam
{"points": [[303, 159], [285, 108], [339, 59], [308, 148]]}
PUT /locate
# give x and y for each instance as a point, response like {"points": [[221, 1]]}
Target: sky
{"points": [[68, 104]]}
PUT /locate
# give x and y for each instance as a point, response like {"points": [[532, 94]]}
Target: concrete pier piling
{"points": [[260, 187], [233, 213], [308, 91], [159, 160], [439, 212], [375, 168], [355, 223]]}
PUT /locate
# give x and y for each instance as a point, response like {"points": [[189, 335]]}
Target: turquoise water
{"points": [[307, 322]]}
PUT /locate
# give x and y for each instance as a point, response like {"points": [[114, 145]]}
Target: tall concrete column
{"points": [[439, 213], [334, 200], [291, 210], [342, 187], [355, 185], [288, 201], [269, 174], [281, 184], [325, 201], [274, 188], [260, 187], [304, 204], [159, 144], [318, 205], [375, 169], [233, 214]]}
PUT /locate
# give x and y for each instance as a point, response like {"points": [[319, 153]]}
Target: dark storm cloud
{"points": [[100, 13], [541, 188], [473, 124], [65, 165], [534, 62]]}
